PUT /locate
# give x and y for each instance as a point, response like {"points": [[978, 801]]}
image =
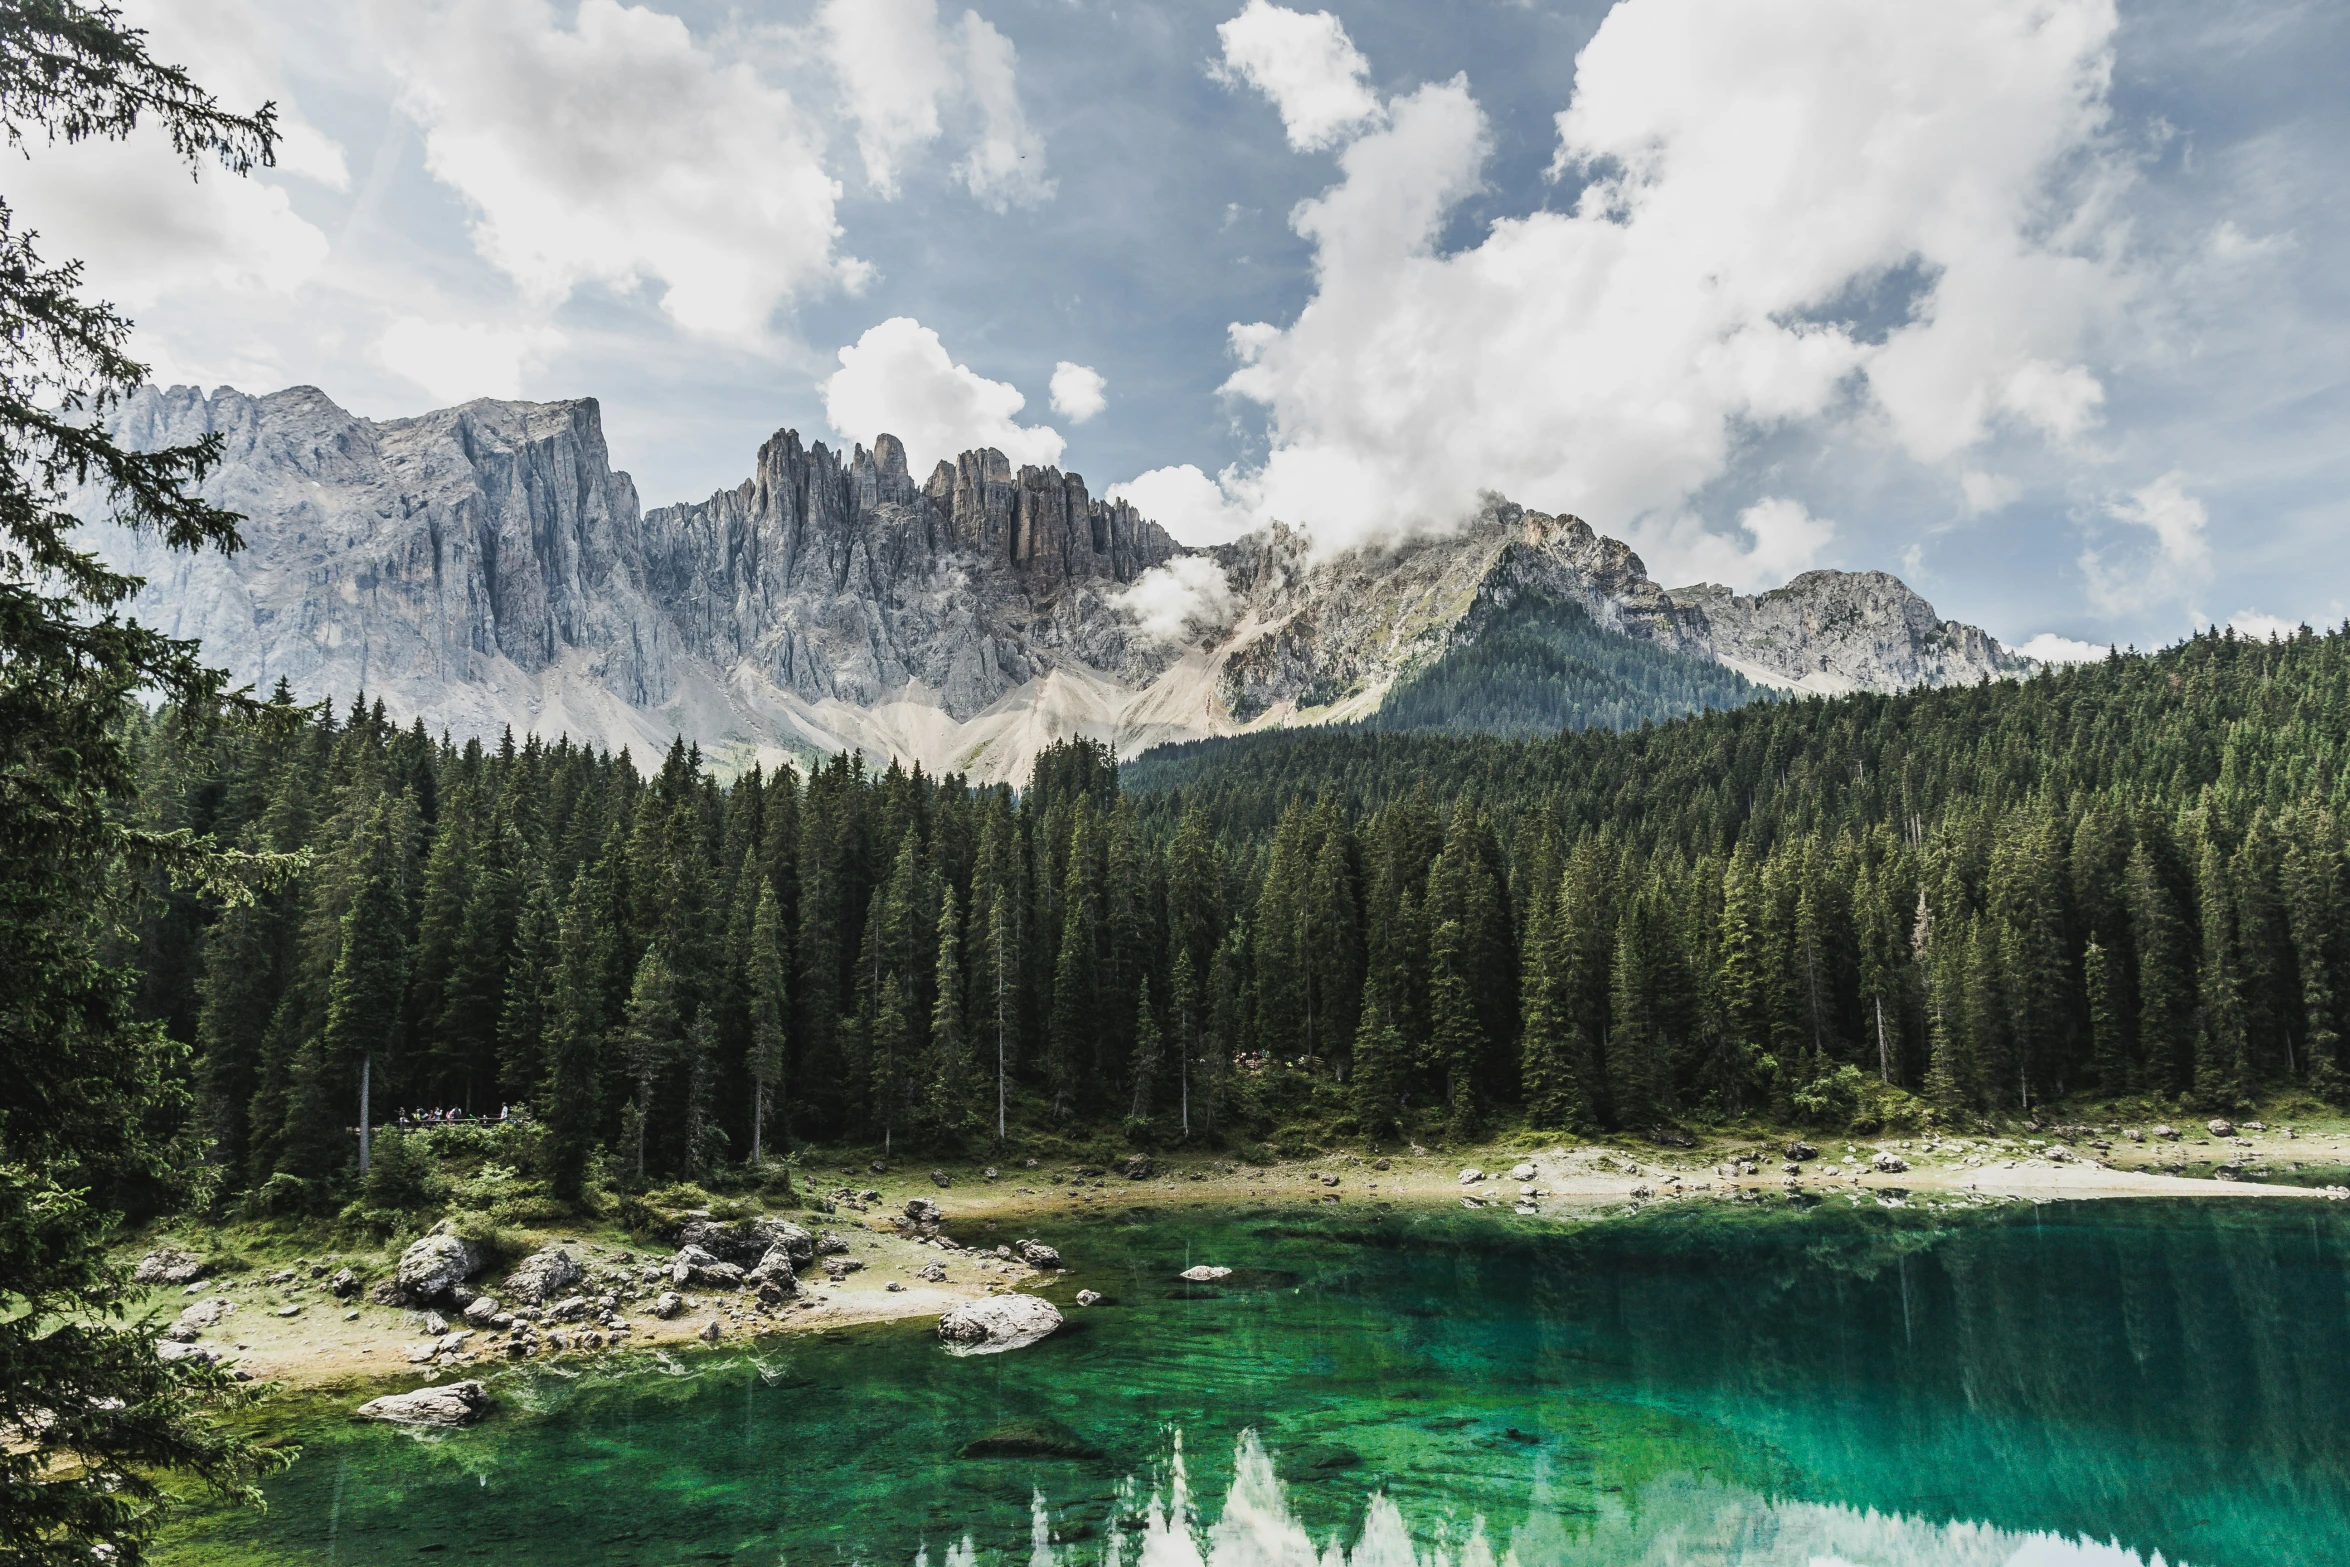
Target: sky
{"points": [[2039, 304]]}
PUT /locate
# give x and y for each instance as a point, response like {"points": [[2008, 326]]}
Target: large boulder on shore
{"points": [[433, 1267], [696, 1266], [455, 1404], [773, 1277], [168, 1265], [998, 1323], [744, 1242], [542, 1276]]}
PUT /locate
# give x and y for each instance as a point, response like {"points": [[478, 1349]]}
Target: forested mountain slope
{"points": [[2125, 877], [1537, 668]]}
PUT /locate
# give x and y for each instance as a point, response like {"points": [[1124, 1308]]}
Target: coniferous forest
{"points": [[2122, 878]]}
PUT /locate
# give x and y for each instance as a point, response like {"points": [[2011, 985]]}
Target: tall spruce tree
{"points": [[770, 1006], [92, 1416], [652, 1039], [575, 1025]]}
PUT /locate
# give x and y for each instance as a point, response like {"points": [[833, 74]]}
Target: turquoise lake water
{"points": [[1700, 1382]]}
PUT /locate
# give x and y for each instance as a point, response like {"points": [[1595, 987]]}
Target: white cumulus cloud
{"points": [[130, 210], [1077, 391], [457, 361], [898, 379], [907, 82], [1305, 63], [1187, 503], [619, 150], [2051, 647], [147, 231], [2165, 569], [2262, 627], [1176, 600], [1753, 166]]}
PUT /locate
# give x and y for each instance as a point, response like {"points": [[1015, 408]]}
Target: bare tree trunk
{"points": [[1884, 1056], [366, 1073]]}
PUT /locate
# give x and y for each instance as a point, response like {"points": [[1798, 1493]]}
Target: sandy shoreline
{"points": [[327, 1345]]}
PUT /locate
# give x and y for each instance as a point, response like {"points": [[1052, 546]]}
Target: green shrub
{"points": [[401, 1174]]}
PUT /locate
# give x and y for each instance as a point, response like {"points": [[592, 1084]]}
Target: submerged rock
{"points": [[1030, 1438], [457, 1404], [1002, 1322], [1205, 1273]]}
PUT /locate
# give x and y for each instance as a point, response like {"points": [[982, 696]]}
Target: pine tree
{"points": [[1557, 1095], [2219, 1036], [2313, 903], [1070, 1038], [1743, 982], [770, 1005], [523, 1010], [575, 1040], [1456, 1035], [2108, 1050], [1335, 953], [1382, 1063], [1639, 1078], [893, 1056], [948, 1092], [364, 1017], [650, 1040], [1183, 1013], [1149, 1062], [705, 1139], [447, 889], [2166, 973]]}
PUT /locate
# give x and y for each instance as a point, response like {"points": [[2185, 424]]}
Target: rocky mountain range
{"points": [[484, 567]]}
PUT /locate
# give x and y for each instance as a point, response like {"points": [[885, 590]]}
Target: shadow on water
{"points": [[1699, 1382]]}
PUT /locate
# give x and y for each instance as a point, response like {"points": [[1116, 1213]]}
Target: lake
{"points": [[1705, 1381]]}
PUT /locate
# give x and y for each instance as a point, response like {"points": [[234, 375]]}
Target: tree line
{"points": [[2122, 878]]}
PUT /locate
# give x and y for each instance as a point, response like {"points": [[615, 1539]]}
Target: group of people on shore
{"points": [[408, 1120]]}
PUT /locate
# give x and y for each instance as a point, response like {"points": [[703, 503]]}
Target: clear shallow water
{"points": [[1703, 1382]]}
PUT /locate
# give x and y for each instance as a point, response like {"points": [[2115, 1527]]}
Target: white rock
{"points": [[454, 1404], [1471, 1176], [1205, 1273], [998, 1323], [433, 1266]]}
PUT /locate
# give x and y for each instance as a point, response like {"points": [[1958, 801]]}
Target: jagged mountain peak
{"points": [[484, 566]]}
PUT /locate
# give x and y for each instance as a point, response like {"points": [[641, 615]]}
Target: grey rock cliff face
{"points": [[1836, 631], [484, 566]]}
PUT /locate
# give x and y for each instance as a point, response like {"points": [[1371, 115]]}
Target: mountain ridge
{"points": [[484, 566]]}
